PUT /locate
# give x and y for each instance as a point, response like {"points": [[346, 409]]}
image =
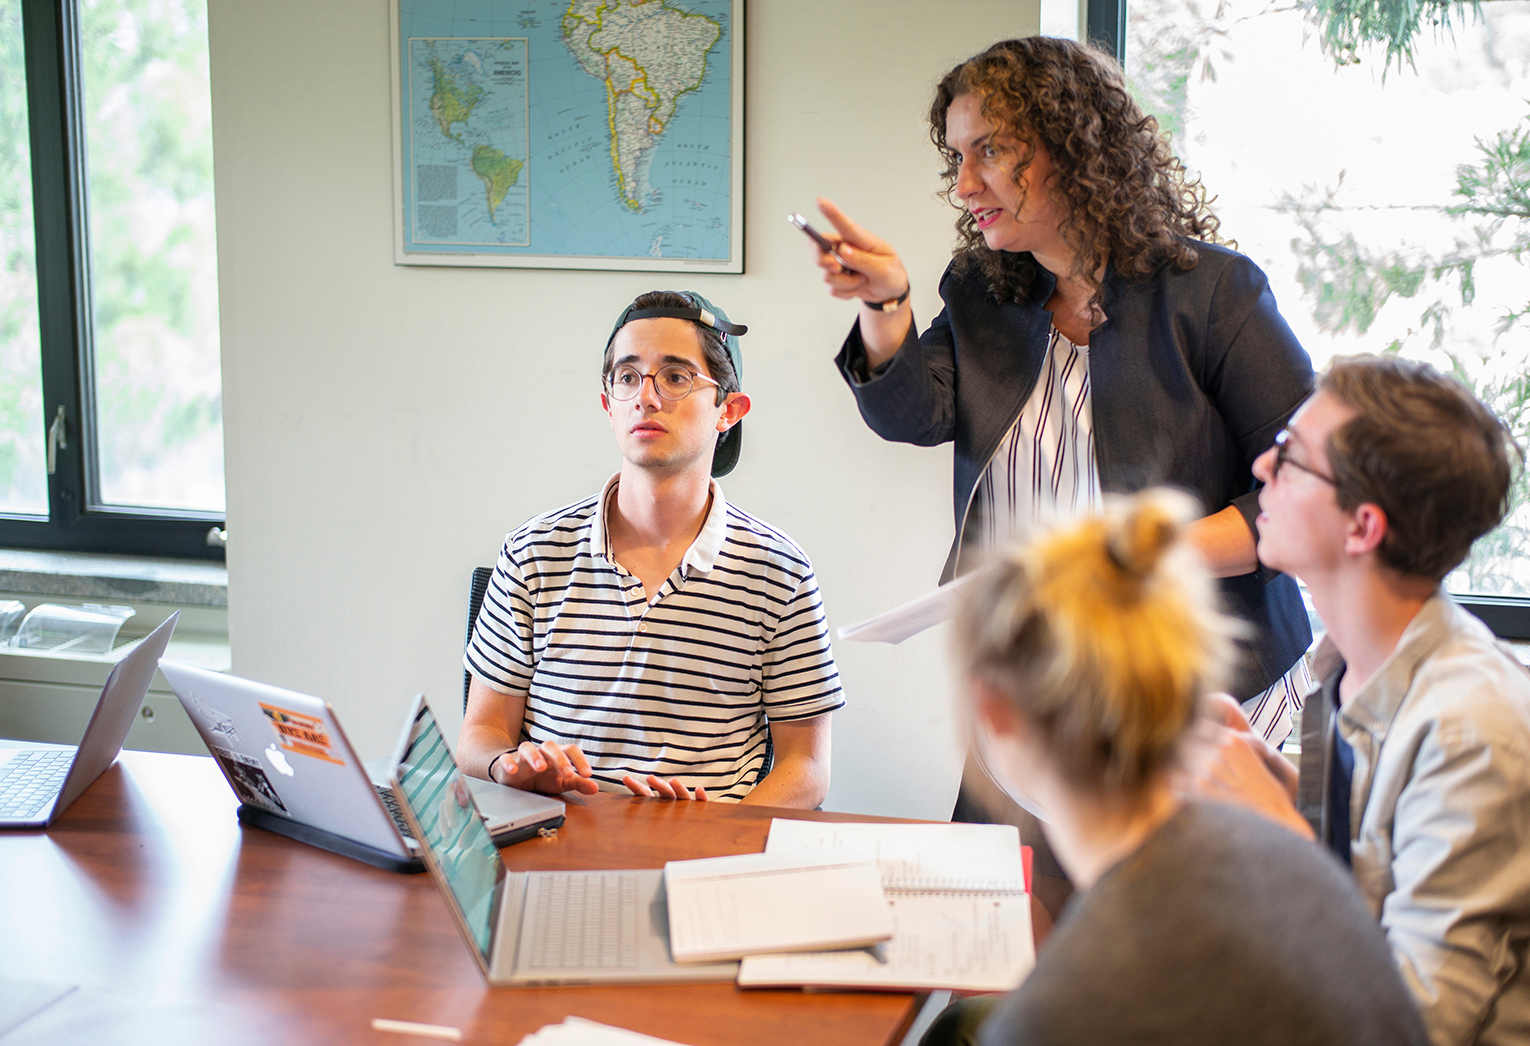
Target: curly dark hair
{"points": [[1127, 198]]}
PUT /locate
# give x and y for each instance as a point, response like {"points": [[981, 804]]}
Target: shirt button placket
{"points": [[636, 602]]}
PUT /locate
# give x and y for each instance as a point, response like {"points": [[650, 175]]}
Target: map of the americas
{"points": [[452, 101], [576, 128]]}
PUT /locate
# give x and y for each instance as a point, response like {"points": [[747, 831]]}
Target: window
{"points": [[1383, 184], [110, 393]]}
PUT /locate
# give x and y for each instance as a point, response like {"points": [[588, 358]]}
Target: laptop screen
{"points": [[450, 826]]}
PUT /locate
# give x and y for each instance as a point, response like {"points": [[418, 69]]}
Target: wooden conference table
{"points": [[177, 925]]}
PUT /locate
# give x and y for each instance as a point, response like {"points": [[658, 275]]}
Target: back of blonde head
{"points": [[1104, 634]]}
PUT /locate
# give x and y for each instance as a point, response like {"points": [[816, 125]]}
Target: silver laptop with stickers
{"points": [[289, 762], [528, 928], [287, 758]]}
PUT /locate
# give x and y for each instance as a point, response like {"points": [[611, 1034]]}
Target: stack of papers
{"points": [[723, 908], [957, 894]]}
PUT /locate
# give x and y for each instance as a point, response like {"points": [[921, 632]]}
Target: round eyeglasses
{"points": [[671, 382], [1283, 458]]}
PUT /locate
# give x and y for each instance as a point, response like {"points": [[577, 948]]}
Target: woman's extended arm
{"points": [[1226, 542], [1259, 374]]}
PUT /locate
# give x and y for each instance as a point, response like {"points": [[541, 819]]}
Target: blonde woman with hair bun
{"points": [[1087, 654]]}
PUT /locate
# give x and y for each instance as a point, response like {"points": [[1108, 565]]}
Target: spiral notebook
{"points": [[957, 893], [724, 908]]}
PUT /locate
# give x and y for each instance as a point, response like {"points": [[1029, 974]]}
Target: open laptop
{"points": [[533, 928], [511, 814], [291, 765], [37, 784], [288, 760]]}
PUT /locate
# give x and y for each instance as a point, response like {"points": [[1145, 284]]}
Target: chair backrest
{"points": [[478, 585], [770, 757]]}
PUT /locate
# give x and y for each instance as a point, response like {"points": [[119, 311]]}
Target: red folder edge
{"points": [[1026, 856]]}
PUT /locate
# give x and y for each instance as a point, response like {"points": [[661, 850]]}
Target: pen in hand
{"points": [[824, 243]]}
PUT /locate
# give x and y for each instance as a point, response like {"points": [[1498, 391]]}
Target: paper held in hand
{"points": [[913, 617], [723, 908]]}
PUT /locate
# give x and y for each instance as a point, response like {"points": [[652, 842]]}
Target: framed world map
{"points": [[569, 134]]}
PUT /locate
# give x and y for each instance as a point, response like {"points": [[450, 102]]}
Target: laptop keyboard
{"points": [[32, 779], [586, 920], [386, 795]]}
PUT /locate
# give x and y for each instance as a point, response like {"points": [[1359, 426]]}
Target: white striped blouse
{"points": [[1045, 468]]}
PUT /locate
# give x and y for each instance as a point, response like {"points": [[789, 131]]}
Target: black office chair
{"points": [[476, 588], [479, 585]]}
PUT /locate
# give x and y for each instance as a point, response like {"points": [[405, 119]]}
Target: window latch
{"points": [[58, 438]]}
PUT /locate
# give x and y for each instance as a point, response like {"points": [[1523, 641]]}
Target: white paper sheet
{"points": [[576, 1031], [914, 856], [913, 617], [971, 942], [21, 1000]]}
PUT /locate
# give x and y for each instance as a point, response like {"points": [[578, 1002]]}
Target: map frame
{"points": [[732, 265]]}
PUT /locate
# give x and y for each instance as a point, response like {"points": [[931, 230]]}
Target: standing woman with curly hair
{"points": [[1095, 338]]}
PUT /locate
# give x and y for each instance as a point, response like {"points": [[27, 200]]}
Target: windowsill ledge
{"points": [[92, 575]]}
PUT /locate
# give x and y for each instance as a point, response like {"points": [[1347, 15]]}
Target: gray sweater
{"points": [[1221, 928]]}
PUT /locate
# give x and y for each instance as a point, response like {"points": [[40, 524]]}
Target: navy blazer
{"points": [[1192, 373]]}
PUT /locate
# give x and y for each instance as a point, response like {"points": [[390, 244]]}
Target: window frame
{"points": [[1507, 616], [1105, 26], [50, 32]]}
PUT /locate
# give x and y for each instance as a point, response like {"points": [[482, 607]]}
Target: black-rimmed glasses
{"points": [[671, 382], [1283, 458]]}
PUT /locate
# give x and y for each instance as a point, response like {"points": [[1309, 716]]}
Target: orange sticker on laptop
{"points": [[301, 734]]}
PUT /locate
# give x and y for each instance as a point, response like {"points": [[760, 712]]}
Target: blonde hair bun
{"points": [[1104, 633], [1142, 530]]}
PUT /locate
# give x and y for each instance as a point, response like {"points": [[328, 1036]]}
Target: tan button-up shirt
{"points": [[1440, 817]]}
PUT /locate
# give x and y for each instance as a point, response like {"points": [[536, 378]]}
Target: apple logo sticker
{"points": [[278, 760]]}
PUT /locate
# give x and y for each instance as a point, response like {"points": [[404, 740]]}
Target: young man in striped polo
{"points": [[653, 636]]}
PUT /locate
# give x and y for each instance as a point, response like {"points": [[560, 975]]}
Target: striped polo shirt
{"points": [[684, 685]]}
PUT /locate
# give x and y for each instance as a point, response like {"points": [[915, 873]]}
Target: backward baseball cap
{"points": [[704, 314]]}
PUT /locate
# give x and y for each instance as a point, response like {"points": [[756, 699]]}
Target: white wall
{"points": [[386, 425]]}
